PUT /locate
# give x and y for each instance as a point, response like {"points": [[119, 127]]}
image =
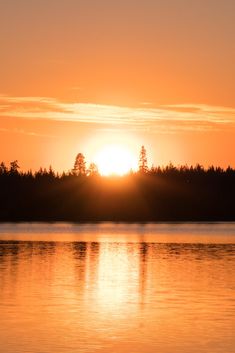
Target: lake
{"points": [[117, 288]]}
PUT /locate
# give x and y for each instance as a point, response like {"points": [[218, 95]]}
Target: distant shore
{"points": [[184, 194]]}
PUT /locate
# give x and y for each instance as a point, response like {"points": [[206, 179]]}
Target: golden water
{"points": [[117, 288]]}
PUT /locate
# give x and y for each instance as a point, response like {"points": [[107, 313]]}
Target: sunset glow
{"points": [[160, 71], [117, 176], [115, 160]]}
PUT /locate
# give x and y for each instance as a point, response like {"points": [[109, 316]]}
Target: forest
{"points": [[157, 194]]}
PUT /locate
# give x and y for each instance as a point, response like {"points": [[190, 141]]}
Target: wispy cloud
{"points": [[24, 132], [162, 119]]}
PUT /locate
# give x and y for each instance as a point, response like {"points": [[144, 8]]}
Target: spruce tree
{"points": [[79, 165], [143, 163]]}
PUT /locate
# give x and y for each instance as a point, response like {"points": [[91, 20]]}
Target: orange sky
{"points": [[78, 74]]}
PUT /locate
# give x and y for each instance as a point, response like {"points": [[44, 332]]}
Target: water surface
{"points": [[117, 288]]}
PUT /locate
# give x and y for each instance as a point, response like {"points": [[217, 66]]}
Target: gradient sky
{"points": [[76, 75]]}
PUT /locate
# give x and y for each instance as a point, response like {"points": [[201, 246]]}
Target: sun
{"points": [[115, 160]]}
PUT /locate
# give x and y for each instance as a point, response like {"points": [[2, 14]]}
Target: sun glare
{"points": [[115, 160]]}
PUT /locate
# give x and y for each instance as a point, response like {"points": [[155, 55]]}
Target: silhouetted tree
{"points": [[3, 168], [79, 165], [143, 163], [14, 166], [93, 169], [51, 172]]}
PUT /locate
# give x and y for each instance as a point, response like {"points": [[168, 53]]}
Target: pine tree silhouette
{"points": [[143, 163], [79, 165], [93, 169]]}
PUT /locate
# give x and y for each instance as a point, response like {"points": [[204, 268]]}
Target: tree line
{"points": [[170, 193]]}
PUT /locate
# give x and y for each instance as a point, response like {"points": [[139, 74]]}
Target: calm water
{"points": [[117, 288]]}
